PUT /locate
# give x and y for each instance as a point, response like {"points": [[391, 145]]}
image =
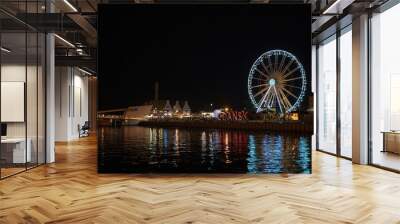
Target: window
{"points": [[346, 93], [326, 138], [22, 98], [385, 88]]}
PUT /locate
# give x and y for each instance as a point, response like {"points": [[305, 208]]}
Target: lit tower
{"points": [[177, 107], [168, 108], [186, 109]]}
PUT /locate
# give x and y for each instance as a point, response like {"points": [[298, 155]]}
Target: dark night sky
{"points": [[199, 53]]}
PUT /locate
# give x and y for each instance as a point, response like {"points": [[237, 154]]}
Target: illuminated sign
{"points": [[233, 115]]}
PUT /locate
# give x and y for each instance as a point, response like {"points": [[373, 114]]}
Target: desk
{"points": [[391, 141], [15, 148]]}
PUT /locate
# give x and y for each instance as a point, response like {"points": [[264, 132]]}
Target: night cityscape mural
{"points": [[204, 88]]}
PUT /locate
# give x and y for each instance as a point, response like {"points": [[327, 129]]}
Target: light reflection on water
{"points": [[142, 149]]}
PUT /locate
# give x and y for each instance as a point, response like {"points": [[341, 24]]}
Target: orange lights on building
{"points": [[294, 116]]}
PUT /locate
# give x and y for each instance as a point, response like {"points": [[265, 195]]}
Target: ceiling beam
{"points": [[79, 61], [86, 27]]}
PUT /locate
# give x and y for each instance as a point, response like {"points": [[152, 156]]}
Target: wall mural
{"points": [[176, 94]]}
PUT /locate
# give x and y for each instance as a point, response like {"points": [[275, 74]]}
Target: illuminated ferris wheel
{"points": [[277, 82]]}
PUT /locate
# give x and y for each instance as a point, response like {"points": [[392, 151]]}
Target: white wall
{"points": [[15, 72], [71, 102], [33, 126], [80, 112], [62, 82]]}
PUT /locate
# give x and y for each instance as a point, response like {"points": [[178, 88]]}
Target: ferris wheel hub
{"points": [[272, 82]]}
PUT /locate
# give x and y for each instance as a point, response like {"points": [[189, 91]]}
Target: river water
{"points": [[134, 149]]}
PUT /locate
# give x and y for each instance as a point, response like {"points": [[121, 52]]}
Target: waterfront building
{"points": [[186, 109], [177, 108], [168, 110], [135, 114]]}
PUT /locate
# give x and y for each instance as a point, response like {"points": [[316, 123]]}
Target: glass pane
{"points": [[14, 153], [22, 89], [346, 94], [41, 98], [385, 84], [327, 96], [31, 97]]}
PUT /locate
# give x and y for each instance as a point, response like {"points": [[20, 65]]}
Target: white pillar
{"points": [[50, 99], [50, 92], [314, 91], [360, 90]]}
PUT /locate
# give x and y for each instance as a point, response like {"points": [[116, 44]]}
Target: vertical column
{"points": [[50, 99], [314, 92], [50, 92], [338, 91], [92, 101], [360, 90]]}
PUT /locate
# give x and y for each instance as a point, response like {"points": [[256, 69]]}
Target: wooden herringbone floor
{"points": [[70, 191]]}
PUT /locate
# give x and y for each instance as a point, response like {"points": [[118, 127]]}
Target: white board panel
{"points": [[12, 101]]}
